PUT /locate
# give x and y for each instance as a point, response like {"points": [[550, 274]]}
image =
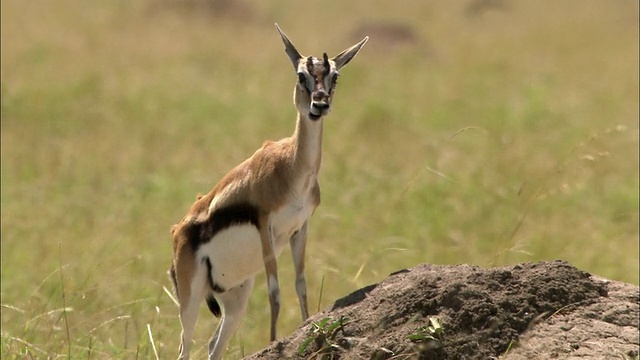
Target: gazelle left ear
{"points": [[344, 57], [294, 54]]}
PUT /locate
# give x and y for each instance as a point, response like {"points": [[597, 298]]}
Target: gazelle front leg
{"points": [[298, 244], [271, 267]]}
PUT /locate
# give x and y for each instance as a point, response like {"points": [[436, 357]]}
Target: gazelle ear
{"points": [[291, 50], [344, 57]]}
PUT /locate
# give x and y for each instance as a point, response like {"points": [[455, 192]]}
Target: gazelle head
{"points": [[317, 78]]}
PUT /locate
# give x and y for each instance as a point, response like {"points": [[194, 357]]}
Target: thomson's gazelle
{"points": [[244, 223]]}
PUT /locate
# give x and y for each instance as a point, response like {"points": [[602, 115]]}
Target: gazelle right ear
{"points": [[344, 57], [291, 50]]}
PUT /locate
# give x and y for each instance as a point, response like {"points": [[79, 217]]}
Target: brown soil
{"points": [[527, 311]]}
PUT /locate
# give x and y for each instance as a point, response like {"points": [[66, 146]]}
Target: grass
{"points": [[490, 138]]}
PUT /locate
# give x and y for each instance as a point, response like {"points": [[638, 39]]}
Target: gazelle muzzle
{"points": [[320, 104]]}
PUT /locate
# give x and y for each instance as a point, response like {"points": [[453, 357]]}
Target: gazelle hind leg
{"points": [[189, 308], [298, 244], [234, 306]]}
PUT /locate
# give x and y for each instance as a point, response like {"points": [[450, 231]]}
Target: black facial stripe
{"points": [[303, 80], [200, 233], [319, 77], [331, 81]]}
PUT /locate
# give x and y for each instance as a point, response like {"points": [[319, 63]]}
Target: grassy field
{"points": [[464, 132]]}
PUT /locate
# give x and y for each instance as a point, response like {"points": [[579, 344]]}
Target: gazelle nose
{"points": [[320, 105], [320, 96]]}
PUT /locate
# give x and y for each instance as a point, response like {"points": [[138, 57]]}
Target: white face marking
{"points": [[316, 79], [312, 75]]}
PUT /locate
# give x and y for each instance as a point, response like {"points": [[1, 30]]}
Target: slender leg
{"points": [[274, 296], [189, 314], [298, 244], [271, 267], [234, 306]]}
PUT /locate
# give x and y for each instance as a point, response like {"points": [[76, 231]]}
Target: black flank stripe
{"points": [[202, 232], [233, 215]]}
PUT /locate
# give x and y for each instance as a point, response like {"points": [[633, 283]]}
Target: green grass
{"points": [[491, 139]]}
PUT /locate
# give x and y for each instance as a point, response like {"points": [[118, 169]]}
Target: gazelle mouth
{"points": [[316, 112]]}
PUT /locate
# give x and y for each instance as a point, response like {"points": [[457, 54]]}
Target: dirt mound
{"points": [[527, 311]]}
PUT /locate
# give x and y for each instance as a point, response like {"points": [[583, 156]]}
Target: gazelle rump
{"points": [[244, 223]]}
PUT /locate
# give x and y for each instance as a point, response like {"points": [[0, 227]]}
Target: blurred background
{"points": [[481, 131]]}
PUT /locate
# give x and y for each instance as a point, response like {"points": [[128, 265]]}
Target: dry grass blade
{"points": [[153, 344]]}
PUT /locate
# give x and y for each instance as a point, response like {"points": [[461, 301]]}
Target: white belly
{"points": [[235, 254]]}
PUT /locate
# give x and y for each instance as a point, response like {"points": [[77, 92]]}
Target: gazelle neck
{"points": [[308, 142]]}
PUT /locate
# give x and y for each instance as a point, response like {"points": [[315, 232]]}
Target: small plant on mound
{"points": [[430, 335], [323, 333]]}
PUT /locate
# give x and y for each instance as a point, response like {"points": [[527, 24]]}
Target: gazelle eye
{"points": [[302, 78]]}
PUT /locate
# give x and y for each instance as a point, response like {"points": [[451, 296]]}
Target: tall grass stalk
{"points": [[64, 302]]}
